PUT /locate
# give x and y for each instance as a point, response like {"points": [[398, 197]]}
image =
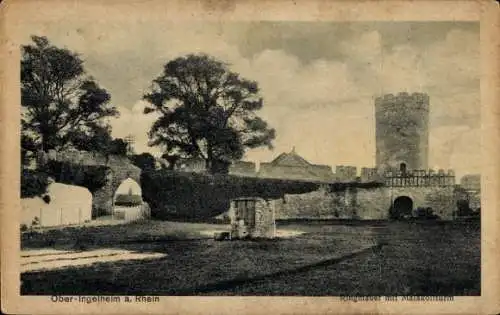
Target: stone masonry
{"points": [[402, 134], [261, 211], [120, 169]]}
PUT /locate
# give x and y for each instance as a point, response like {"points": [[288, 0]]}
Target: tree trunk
{"points": [[45, 143]]}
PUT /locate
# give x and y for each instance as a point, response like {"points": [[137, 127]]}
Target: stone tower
{"points": [[402, 133]]}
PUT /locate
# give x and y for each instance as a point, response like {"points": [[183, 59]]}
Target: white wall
{"points": [[68, 205], [132, 213]]}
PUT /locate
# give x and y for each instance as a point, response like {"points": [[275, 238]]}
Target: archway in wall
{"points": [[129, 186], [401, 207], [129, 191]]}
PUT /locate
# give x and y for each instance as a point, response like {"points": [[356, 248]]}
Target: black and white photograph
{"points": [[249, 158]]}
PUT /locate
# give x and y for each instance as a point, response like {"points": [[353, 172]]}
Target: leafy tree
{"points": [[100, 141], [171, 159], [33, 183], [60, 103], [28, 147], [92, 177], [145, 161], [206, 111], [118, 146]]}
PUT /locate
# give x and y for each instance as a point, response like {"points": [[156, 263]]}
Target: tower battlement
{"points": [[403, 96], [79, 157], [390, 102], [420, 178], [346, 172]]}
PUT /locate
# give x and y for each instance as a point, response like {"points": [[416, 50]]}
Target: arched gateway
{"points": [[401, 207]]}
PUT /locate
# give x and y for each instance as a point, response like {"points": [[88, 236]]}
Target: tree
{"points": [[145, 161], [98, 141], [171, 159], [118, 146], [206, 111], [61, 105], [101, 141]]}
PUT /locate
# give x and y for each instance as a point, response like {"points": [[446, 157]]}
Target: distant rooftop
{"points": [[292, 166]]}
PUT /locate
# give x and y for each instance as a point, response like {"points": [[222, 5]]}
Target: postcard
{"points": [[250, 157]]}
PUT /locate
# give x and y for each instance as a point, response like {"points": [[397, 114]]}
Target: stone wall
{"points": [[475, 200], [441, 199], [471, 182], [243, 168], [120, 169], [373, 204], [346, 173], [363, 203], [316, 204]]}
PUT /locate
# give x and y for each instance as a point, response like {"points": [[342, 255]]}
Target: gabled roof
{"points": [[293, 166], [290, 159]]}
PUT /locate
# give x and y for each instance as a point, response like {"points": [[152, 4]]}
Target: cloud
{"points": [[456, 148], [285, 81], [454, 62], [323, 106], [133, 122]]}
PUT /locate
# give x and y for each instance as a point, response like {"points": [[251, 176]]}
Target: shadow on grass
{"points": [[116, 236], [428, 283], [230, 284], [420, 259]]}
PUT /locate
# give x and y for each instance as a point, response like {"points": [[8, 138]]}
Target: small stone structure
{"points": [[252, 217]]}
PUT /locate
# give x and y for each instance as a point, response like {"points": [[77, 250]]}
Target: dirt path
{"points": [[44, 259]]}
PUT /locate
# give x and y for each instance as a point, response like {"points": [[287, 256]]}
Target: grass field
{"points": [[330, 258]]}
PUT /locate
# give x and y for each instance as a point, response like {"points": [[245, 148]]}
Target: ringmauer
{"points": [[305, 157]]}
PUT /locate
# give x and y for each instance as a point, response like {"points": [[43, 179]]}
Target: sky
{"points": [[318, 79]]}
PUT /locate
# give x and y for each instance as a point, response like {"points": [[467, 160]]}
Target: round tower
{"points": [[402, 133]]}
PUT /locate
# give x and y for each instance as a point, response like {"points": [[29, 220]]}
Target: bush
{"points": [[92, 177], [426, 213], [36, 222], [24, 227], [189, 195], [463, 208], [98, 212], [46, 199], [128, 200], [477, 212], [33, 183]]}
